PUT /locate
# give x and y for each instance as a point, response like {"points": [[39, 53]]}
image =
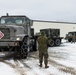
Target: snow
{"points": [[62, 61], [6, 70]]}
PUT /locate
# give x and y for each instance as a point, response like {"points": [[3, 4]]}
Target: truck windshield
{"points": [[69, 34], [12, 20], [72, 33]]}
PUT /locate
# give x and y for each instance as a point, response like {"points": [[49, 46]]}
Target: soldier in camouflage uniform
{"points": [[43, 49], [73, 38]]}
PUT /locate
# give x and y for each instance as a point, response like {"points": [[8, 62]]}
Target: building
{"points": [[64, 27]]}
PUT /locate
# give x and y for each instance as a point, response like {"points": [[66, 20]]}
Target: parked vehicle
{"points": [[17, 35], [53, 35], [70, 36]]}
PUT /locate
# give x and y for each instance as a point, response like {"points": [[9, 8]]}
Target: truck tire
{"points": [[57, 42], [35, 44], [51, 42], [69, 40], [23, 49]]}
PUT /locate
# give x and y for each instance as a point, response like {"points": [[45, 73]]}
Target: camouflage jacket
{"points": [[42, 43]]}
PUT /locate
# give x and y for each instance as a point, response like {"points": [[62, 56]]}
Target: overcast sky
{"points": [[49, 10]]}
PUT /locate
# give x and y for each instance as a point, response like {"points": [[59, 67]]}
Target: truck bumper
{"points": [[12, 43]]}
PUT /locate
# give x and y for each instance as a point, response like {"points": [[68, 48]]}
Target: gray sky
{"points": [[49, 10]]}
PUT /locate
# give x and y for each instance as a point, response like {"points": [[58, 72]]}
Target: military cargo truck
{"points": [[70, 36], [53, 35], [17, 35]]}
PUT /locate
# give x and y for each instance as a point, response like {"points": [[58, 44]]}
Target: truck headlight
{"points": [[18, 38]]}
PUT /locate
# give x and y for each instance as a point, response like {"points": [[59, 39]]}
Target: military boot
{"points": [[46, 66], [40, 65]]}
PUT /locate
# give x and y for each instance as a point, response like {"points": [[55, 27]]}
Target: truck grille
{"points": [[6, 33]]}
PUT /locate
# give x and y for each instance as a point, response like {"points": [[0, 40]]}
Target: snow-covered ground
{"points": [[62, 61]]}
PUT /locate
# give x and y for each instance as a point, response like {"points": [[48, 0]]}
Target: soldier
{"points": [[43, 49], [73, 38]]}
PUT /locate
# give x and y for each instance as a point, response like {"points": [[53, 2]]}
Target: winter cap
{"points": [[42, 33]]}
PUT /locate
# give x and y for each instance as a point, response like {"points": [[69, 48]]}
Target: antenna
{"points": [[7, 14]]}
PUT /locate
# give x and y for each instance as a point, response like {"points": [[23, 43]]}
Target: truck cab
{"points": [[70, 36]]}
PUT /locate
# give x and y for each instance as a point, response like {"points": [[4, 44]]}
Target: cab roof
{"points": [[15, 16]]}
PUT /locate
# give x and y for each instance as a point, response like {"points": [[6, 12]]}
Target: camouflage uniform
{"points": [[43, 49], [73, 38]]}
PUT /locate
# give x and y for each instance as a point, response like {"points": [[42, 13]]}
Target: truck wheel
{"points": [[51, 43], [35, 44], [23, 49], [57, 42], [69, 40]]}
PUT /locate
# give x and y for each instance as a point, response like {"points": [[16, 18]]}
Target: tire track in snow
{"points": [[14, 66], [63, 68], [20, 66], [59, 66]]}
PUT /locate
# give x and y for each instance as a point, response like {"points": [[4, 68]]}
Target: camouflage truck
{"points": [[53, 35], [17, 35], [70, 36]]}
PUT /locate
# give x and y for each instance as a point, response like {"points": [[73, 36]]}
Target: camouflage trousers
{"points": [[43, 57]]}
